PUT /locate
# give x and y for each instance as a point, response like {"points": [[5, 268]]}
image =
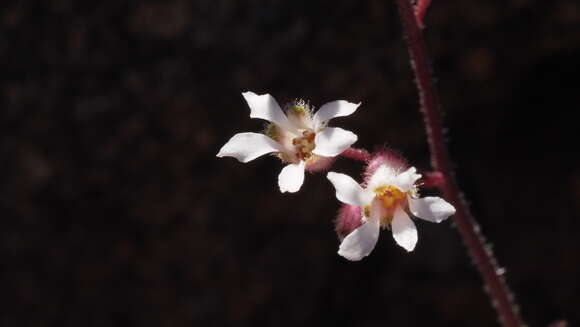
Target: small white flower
{"points": [[298, 137], [386, 201]]}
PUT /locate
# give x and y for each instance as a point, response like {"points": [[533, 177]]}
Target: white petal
{"points": [[405, 180], [339, 108], [404, 230], [360, 242], [384, 175], [265, 107], [249, 146], [348, 190], [433, 209], [332, 141], [377, 209], [291, 177]]}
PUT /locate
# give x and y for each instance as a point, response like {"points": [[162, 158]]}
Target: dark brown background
{"points": [[116, 212]]}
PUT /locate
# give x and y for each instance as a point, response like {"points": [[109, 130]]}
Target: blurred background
{"points": [[114, 210]]}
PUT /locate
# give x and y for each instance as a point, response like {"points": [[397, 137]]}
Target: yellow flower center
{"points": [[391, 197]]}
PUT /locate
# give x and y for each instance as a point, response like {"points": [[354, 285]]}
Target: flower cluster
{"points": [[302, 140]]}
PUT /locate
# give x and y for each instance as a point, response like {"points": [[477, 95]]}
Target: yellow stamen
{"points": [[391, 197], [299, 109], [272, 132]]}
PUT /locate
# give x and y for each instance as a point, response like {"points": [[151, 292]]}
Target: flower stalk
{"points": [[432, 179], [496, 286], [420, 10], [356, 154]]}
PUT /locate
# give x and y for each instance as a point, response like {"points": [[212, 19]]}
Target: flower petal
{"points": [[332, 141], [291, 177], [431, 208], [377, 210], [348, 190], [404, 230], [361, 241], [339, 108], [406, 180], [265, 107], [249, 146]]}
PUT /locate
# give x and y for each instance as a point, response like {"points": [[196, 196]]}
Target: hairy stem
{"points": [[432, 179], [496, 286], [356, 154], [420, 10]]}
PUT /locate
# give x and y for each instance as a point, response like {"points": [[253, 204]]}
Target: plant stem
{"points": [[356, 154], [432, 179], [420, 10], [482, 255]]}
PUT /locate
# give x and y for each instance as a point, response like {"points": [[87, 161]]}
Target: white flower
{"points": [[297, 137], [386, 201]]}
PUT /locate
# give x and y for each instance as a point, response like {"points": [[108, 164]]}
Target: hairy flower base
{"points": [[386, 157], [348, 219]]}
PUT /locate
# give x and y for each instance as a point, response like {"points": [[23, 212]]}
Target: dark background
{"points": [[114, 210]]}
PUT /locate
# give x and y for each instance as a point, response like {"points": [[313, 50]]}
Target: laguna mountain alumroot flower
{"points": [[386, 201], [298, 137]]}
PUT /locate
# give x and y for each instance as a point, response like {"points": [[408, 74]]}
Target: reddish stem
{"points": [[420, 10], [356, 154], [432, 179], [500, 295]]}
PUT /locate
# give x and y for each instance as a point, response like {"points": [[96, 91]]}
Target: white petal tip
{"points": [[248, 146], [291, 178], [348, 190], [330, 110], [408, 245], [289, 190], [248, 94], [404, 230], [360, 242], [284, 190], [433, 209], [223, 154], [332, 141], [349, 257]]}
